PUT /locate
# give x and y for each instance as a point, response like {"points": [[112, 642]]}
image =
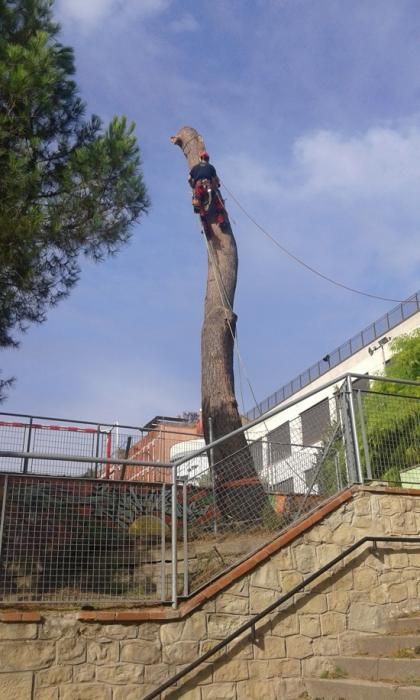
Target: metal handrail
{"points": [[259, 616]]}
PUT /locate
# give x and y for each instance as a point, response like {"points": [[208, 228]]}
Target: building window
{"points": [[315, 422], [279, 446]]}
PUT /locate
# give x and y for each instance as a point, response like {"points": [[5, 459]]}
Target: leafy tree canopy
{"points": [[68, 185], [404, 364]]}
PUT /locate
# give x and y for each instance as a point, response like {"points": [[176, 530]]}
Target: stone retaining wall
{"points": [[64, 657]]}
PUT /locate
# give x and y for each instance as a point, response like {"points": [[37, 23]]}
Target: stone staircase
{"points": [[373, 667]]}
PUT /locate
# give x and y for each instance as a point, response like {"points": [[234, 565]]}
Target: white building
{"points": [[287, 444]]}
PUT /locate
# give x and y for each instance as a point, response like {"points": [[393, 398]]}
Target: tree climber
{"points": [[206, 195]]}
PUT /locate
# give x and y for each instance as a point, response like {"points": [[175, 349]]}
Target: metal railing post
{"points": [[3, 512], [98, 434], [163, 545], [185, 532], [211, 465], [348, 446], [353, 429], [364, 435], [28, 446], [174, 538]]}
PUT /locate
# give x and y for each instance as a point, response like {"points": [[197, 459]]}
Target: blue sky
{"points": [[310, 112]]}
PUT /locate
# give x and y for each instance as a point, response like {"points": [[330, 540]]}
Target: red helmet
{"points": [[204, 155]]}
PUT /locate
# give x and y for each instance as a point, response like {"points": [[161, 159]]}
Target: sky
{"points": [[310, 112]]}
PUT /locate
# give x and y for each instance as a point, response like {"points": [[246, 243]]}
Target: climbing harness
{"points": [[207, 201]]}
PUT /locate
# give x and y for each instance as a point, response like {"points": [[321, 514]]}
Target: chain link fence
{"points": [[158, 514]]}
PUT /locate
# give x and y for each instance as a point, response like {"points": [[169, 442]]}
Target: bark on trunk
{"points": [[239, 492]]}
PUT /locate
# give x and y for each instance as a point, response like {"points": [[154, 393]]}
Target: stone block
{"points": [[389, 505], [362, 505], [25, 654], [266, 576], [71, 650], [180, 652], [54, 676], [140, 652], [319, 534], [57, 626], [365, 522], [283, 560], [289, 580], [156, 673], [404, 524], [317, 603], [20, 631], [133, 692], [260, 669], [284, 667], [219, 691], [269, 647], [220, 625], [364, 579], [298, 647], [119, 632], [148, 630], [198, 676], [338, 601], [344, 534], [85, 691], [43, 694], [333, 623], [16, 686], [363, 617], [233, 604], [260, 598], [397, 560], [184, 693], [327, 553], [285, 625], [171, 632], [325, 646], [195, 627], [305, 558], [230, 671], [84, 673], [397, 593], [120, 673], [309, 625], [103, 652], [257, 690]]}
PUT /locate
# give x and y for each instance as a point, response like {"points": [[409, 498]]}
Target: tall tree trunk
{"points": [[239, 492]]}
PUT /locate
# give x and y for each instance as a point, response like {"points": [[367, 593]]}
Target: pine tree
{"points": [[68, 186]]}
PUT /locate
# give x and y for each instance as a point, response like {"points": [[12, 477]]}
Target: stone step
{"points": [[400, 670], [344, 689], [405, 625], [388, 645]]}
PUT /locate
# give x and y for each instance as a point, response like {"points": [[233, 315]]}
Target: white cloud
{"points": [[382, 161], [348, 206], [185, 23], [89, 12]]}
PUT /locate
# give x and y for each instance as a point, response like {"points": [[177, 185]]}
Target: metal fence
{"points": [[74, 440], [130, 535], [332, 359]]}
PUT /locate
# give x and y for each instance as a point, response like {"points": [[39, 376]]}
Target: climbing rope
{"points": [[309, 267]]}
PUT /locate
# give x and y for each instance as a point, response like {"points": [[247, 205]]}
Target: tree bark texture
{"points": [[239, 492]]}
